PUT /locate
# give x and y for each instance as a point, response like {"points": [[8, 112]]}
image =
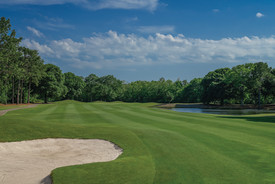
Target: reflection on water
{"points": [[223, 111]]}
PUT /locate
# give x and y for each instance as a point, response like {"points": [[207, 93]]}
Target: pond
{"points": [[224, 111]]}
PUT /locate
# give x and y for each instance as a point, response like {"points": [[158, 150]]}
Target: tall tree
{"points": [[33, 68], [108, 88], [74, 84], [9, 56], [192, 92], [215, 87], [238, 78], [52, 83], [259, 75], [90, 87]]}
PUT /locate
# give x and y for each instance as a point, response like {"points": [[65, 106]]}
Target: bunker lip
{"points": [[31, 162]]}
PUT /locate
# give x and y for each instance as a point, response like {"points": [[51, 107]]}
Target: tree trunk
{"points": [[259, 99], [21, 97], [172, 98], [242, 99], [6, 92], [29, 92], [222, 102], [18, 94], [12, 98], [46, 99]]}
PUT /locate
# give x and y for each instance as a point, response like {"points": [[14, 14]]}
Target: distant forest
{"points": [[24, 78]]}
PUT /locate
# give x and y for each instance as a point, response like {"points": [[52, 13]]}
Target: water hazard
{"points": [[224, 111]]}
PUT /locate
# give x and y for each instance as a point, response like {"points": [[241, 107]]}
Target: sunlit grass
{"points": [[159, 146], [11, 106]]}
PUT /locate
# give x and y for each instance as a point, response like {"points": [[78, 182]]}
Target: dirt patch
{"points": [[3, 112], [31, 162]]}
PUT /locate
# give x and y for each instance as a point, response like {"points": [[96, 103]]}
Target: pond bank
{"points": [[202, 106]]}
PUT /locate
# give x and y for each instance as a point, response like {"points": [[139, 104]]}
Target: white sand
{"points": [[31, 162]]}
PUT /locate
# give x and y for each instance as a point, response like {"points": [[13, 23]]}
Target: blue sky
{"points": [[145, 39]]}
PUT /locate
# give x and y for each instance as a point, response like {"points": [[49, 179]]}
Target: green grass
{"points": [[160, 146], [4, 107]]}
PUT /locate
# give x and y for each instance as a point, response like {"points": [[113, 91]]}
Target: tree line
{"points": [[20, 67], [24, 78]]}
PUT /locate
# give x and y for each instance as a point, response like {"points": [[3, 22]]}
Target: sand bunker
{"points": [[31, 162]]}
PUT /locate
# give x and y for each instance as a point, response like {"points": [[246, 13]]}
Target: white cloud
{"points": [[35, 31], [92, 4], [42, 49], [216, 10], [67, 46], [259, 15], [124, 4], [53, 24], [115, 50], [156, 29]]}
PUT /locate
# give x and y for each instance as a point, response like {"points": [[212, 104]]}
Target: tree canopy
{"points": [[24, 78]]}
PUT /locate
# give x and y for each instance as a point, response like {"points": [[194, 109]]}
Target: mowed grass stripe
{"points": [[224, 122], [262, 143], [197, 141], [169, 169], [188, 161], [160, 146], [247, 137], [144, 157], [258, 142]]}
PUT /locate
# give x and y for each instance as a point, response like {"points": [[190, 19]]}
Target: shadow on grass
{"points": [[46, 180], [263, 119]]}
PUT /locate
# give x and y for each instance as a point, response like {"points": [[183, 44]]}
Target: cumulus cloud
{"points": [[42, 49], [35, 31], [156, 29], [259, 15], [115, 50], [92, 4]]}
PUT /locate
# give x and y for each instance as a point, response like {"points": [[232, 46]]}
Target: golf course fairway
{"points": [[159, 146]]}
